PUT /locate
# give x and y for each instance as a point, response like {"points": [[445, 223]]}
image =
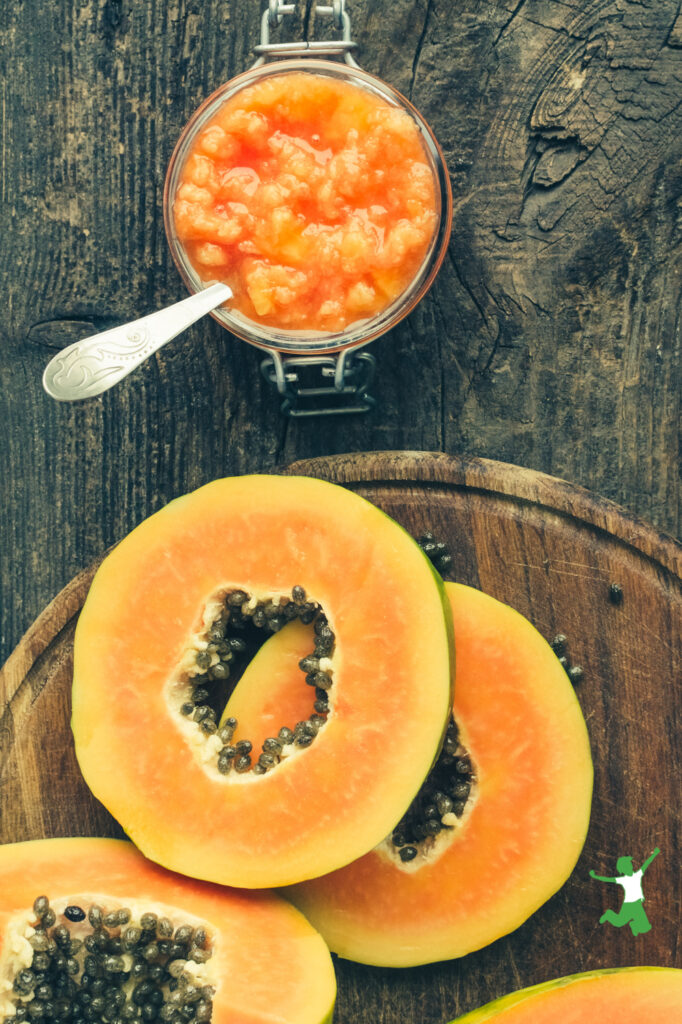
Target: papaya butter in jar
{"points": [[319, 195]]}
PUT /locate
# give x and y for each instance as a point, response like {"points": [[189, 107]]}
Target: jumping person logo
{"points": [[632, 912]]}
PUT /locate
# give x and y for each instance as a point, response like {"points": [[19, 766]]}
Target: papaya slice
{"points": [[90, 929], [511, 797], [629, 995], [161, 624]]}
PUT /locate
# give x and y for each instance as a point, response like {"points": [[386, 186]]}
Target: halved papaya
{"points": [[628, 995], [162, 626], [498, 826], [89, 929]]}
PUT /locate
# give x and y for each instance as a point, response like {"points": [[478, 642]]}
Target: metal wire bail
{"points": [[273, 17], [338, 13], [276, 11], [321, 385]]}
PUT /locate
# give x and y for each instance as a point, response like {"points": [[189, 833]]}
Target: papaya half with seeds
{"points": [[497, 827], [163, 625], [628, 995], [90, 929]]}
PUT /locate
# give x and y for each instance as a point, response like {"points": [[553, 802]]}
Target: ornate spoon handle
{"points": [[94, 364]]}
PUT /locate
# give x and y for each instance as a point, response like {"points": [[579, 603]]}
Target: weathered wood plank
{"points": [[551, 338]]}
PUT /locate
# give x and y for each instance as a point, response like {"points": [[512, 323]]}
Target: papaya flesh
{"points": [[258, 960], [153, 767], [628, 995], [524, 823]]}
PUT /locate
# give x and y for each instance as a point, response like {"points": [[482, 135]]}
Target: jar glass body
{"points": [[361, 331]]}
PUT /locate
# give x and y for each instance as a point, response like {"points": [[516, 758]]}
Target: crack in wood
{"points": [[508, 22], [420, 45]]}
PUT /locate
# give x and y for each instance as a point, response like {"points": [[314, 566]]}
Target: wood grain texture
{"points": [[551, 338], [549, 549]]}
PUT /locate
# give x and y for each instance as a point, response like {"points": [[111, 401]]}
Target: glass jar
{"points": [[329, 348]]}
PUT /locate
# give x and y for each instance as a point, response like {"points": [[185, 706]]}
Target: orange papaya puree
{"points": [[312, 198]]}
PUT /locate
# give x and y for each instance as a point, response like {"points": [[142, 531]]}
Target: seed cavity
{"points": [[440, 802], [227, 644], [226, 647], [115, 973]]}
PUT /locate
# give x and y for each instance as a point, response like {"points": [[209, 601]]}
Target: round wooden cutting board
{"points": [[552, 551]]}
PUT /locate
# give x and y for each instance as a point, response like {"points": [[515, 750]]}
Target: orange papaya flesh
{"points": [[323, 806], [266, 962], [523, 826], [629, 995]]}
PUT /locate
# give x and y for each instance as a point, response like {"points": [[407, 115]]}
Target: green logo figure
{"points": [[632, 912]]}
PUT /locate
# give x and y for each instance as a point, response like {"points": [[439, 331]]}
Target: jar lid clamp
{"points": [[274, 15]]}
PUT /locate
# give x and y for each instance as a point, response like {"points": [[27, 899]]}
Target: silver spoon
{"points": [[94, 364]]}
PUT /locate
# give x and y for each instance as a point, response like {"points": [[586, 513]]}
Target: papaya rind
{"points": [[287, 944], [374, 912], [496, 1010], [117, 699]]}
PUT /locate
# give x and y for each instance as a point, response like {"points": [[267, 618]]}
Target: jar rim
{"points": [[360, 332]]}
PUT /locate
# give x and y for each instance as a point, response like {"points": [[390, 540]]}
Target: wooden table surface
{"points": [[551, 338]]}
